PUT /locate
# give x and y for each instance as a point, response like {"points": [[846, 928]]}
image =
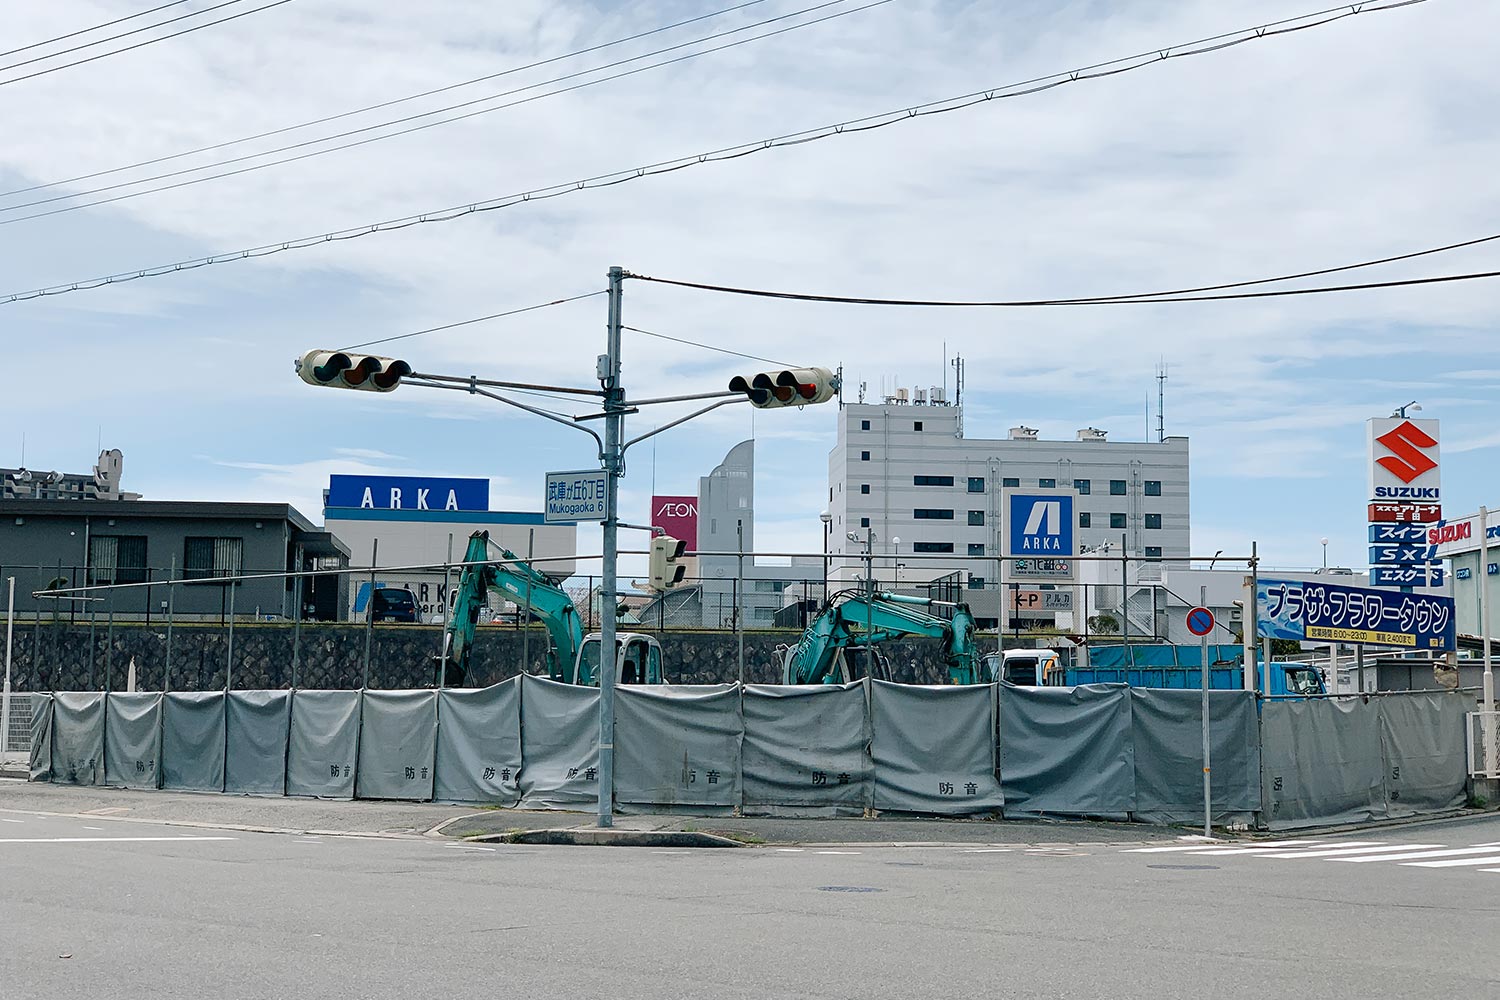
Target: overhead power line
{"points": [[1111, 67], [384, 104], [1113, 301], [137, 45], [96, 27], [123, 34], [476, 319], [706, 347], [1169, 294], [428, 114]]}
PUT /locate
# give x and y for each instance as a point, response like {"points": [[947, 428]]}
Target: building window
{"points": [[976, 484], [976, 548], [864, 456], [864, 522], [1117, 520], [1047, 484], [864, 425], [1010, 482], [976, 583], [1083, 486], [203, 558], [1153, 520], [1153, 552], [932, 480], [1085, 520], [1117, 487], [117, 559], [932, 514], [976, 518], [1153, 487], [938, 547], [916, 425], [762, 614], [864, 488]]}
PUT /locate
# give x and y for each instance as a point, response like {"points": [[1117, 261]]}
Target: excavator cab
{"points": [[638, 660]]}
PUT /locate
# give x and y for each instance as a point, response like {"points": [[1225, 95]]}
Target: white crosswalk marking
{"points": [[1212, 847], [1417, 855], [1351, 850], [1453, 862]]}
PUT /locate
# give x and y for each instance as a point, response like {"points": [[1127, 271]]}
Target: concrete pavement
{"points": [[97, 908]]}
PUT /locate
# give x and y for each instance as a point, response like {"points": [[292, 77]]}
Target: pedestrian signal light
{"points": [[666, 571]]}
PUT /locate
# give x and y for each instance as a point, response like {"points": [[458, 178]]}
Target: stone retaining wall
{"points": [[66, 658]]}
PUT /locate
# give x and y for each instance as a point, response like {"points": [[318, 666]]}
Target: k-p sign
{"points": [[1040, 524], [678, 517]]}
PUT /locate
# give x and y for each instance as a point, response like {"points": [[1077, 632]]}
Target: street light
{"points": [[895, 556], [1325, 555], [1400, 411]]}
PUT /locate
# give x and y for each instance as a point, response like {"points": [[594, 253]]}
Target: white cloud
{"points": [[1342, 143]]}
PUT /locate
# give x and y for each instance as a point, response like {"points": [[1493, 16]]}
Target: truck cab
{"points": [[1025, 667], [637, 660]]}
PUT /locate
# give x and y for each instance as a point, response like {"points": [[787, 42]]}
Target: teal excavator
{"points": [[848, 632], [573, 657]]}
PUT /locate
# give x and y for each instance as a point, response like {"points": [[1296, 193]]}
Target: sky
{"points": [[1351, 141]]}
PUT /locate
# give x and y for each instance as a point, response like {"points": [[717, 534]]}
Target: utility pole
{"points": [[614, 421], [1491, 736]]}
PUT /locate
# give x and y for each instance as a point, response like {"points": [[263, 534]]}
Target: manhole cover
{"points": [[1187, 868], [848, 888]]}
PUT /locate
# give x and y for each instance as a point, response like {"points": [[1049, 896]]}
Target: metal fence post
{"points": [[109, 647], [370, 614], [229, 650], [171, 614], [1208, 825], [296, 629], [739, 609], [526, 611]]}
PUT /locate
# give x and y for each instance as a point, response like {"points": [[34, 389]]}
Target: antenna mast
{"points": [[1161, 401]]}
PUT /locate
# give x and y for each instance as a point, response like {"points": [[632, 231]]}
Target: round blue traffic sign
{"points": [[1200, 621]]}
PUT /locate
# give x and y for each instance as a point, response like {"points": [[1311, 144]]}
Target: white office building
{"points": [[904, 470]]}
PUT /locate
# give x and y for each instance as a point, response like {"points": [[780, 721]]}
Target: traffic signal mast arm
{"points": [[842, 626]]}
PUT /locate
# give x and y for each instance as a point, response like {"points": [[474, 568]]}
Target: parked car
{"points": [[393, 604]]}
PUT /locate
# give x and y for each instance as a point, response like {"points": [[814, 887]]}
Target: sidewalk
{"points": [[367, 818]]}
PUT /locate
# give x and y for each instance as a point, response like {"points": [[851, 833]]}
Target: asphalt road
{"points": [[96, 908]]}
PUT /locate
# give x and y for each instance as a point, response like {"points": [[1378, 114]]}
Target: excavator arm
{"points": [[859, 620], [522, 585]]}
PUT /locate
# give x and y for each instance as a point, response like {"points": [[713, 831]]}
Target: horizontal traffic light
{"points": [[787, 387], [352, 371]]}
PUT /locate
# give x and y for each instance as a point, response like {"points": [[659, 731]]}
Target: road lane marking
{"points": [[841, 852], [1342, 851], [788, 850], [467, 847], [12, 821], [103, 840], [1452, 862], [96, 829], [1416, 855]]}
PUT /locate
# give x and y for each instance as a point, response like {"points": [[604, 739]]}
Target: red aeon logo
{"points": [[1406, 460]]}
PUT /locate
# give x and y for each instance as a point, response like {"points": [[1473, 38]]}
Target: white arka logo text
{"points": [[1043, 527], [368, 500]]}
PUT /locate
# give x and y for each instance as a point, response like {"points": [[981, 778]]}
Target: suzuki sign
{"points": [[678, 517], [1404, 463]]}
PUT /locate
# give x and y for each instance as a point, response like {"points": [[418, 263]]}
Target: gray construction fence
{"points": [[1104, 751]]}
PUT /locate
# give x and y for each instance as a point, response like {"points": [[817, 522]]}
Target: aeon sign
{"points": [[678, 517], [1404, 463]]}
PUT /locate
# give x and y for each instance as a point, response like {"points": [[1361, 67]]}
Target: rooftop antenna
{"points": [[1161, 401], [945, 371]]}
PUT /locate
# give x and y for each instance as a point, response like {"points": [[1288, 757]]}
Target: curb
{"points": [[1441, 817], [606, 838]]}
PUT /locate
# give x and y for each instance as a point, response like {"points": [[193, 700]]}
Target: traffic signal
{"points": [[788, 387], [352, 371], [666, 571]]}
